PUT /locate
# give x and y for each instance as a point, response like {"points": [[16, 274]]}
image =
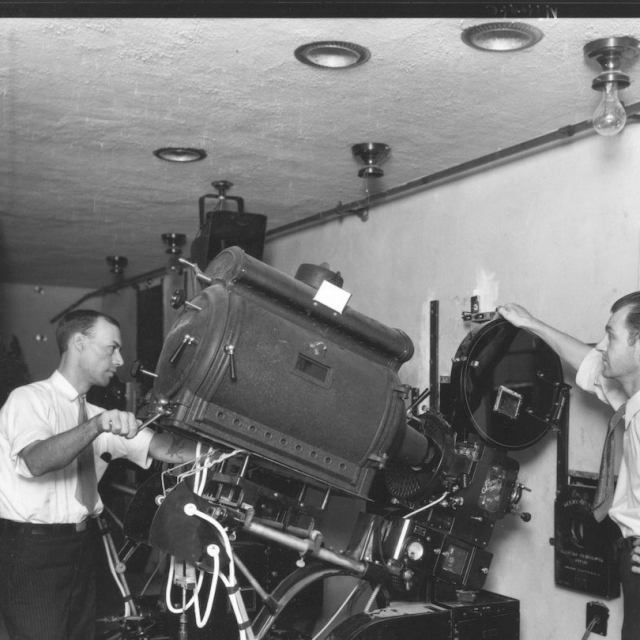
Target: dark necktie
{"points": [[604, 493], [87, 489]]}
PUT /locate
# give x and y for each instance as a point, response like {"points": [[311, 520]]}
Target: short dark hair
{"points": [[632, 301], [79, 321]]}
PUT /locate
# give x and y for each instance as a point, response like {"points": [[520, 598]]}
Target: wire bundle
{"points": [[199, 469]]}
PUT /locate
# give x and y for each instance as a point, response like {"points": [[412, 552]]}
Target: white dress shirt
{"points": [[625, 510], [36, 412]]}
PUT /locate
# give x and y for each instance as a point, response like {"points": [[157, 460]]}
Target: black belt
{"points": [[626, 543], [32, 529]]}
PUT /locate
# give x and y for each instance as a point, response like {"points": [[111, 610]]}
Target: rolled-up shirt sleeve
{"points": [[27, 419]]}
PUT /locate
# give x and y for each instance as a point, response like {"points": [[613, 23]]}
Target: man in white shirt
{"points": [[611, 370], [51, 443]]}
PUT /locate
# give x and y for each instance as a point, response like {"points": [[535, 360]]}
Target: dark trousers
{"points": [[631, 597], [47, 585]]}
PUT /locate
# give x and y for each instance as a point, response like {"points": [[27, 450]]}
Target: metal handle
{"points": [[136, 369], [179, 298], [196, 270], [187, 340], [229, 349]]}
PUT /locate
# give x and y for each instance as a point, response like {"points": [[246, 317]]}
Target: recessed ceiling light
{"points": [[180, 154], [502, 36], [332, 54]]}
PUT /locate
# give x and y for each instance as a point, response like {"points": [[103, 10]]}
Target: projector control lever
{"points": [[137, 368], [187, 340], [179, 298]]}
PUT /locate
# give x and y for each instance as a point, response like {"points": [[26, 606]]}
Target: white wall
{"points": [[558, 232], [26, 312]]}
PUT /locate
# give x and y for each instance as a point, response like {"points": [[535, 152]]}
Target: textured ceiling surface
{"points": [[84, 102]]}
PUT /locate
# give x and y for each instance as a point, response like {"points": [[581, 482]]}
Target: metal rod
{"points": [[434, 356], [150, 421], [357, 207], [262, 594], [306, 546], [418, 400]]}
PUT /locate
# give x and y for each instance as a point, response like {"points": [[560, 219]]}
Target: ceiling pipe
{"points": [[360, 207], [112, 288]]}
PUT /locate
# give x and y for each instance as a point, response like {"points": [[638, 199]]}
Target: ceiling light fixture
{"points": [[180, 154], [331, 54], [117, 264], [372, 154], [502, 36], [174, 241], [610, 116]]}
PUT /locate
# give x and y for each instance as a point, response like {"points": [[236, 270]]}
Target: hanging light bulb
{"points": [[609, 117]]}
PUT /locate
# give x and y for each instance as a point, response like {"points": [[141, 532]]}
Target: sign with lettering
{"points": [[585, 554]]}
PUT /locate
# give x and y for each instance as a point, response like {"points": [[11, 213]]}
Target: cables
{"points": [[201, 620], [230, 582], [589, 629], [117, 569], [198, 467], [427, 506]]}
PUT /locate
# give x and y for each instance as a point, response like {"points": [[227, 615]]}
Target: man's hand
{"points": [[120, 423], [516, 315]]}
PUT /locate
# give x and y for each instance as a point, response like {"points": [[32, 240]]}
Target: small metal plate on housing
{"points": [[508, 403]]}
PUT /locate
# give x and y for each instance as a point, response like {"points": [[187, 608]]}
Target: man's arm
{"points": [[56, 452], [170, 448], [568, 348]]}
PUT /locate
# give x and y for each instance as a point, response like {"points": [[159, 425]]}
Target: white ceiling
{"points": [[85, 101]]}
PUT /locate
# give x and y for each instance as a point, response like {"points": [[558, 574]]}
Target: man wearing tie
{"points": [[52, 445], [611, 370]]}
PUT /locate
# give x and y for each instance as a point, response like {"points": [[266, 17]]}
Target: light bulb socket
{"points": [[372, 171], [372, 154], [619, 79]]}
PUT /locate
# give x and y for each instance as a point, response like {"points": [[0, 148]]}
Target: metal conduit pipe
{"points": [[360, 206]]}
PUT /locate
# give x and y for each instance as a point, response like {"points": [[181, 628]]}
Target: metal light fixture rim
{"points": [[621, 47], [180, 154], [529, 34], [362, 54], [363, 149]]}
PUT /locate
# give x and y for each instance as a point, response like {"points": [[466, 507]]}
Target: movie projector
{"points": [[294, 397]]}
